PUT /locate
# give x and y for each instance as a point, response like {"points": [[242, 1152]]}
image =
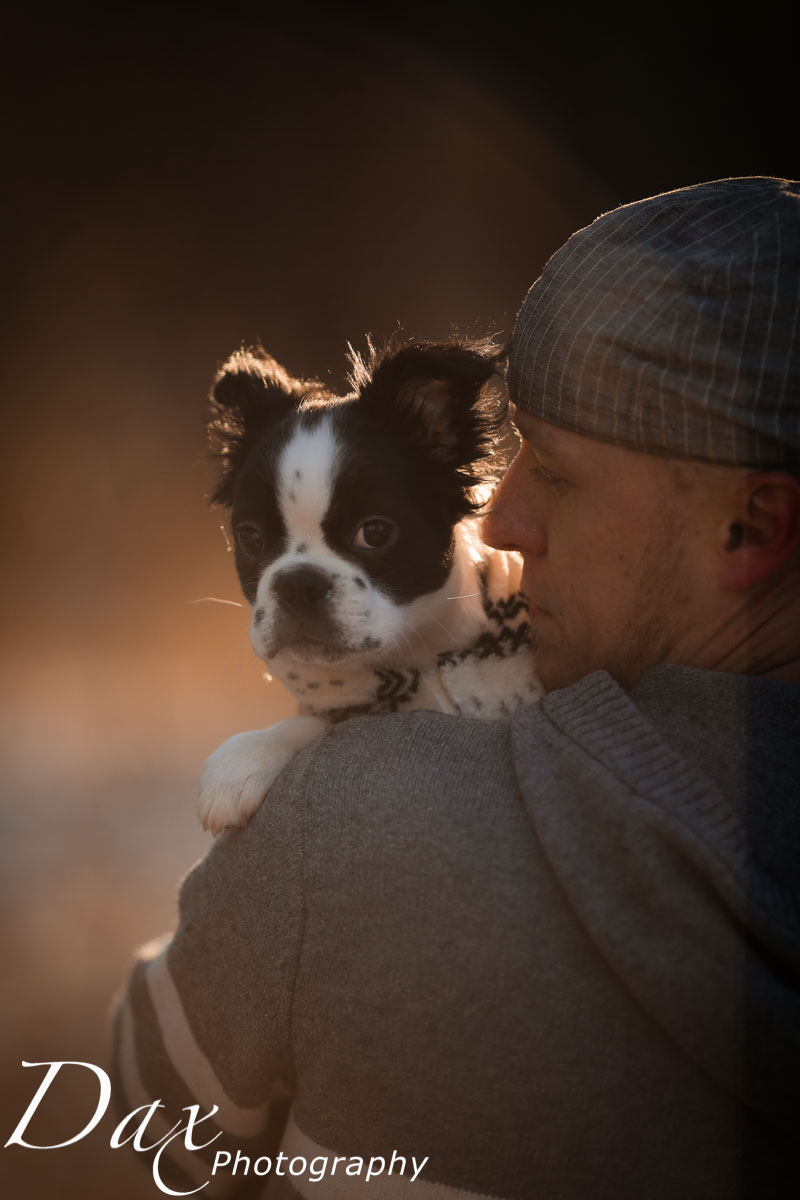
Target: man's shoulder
{"points": [[741, 729], [706, 715], [423, 753], [405, 756], [413, 733], [678, 727]]}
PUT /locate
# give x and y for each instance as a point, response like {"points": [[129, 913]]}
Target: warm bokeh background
{"points": [[180, 177]]}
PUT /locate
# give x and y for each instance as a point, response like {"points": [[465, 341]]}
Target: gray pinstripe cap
{"points": [[670, 326]]}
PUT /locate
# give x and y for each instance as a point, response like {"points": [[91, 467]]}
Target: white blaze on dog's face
{"points": [[343, 510], [313, 603]]}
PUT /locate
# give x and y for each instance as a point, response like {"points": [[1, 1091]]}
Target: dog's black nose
{"points": [[301, 589]]}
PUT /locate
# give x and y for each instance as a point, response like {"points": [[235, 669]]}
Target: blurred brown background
{"points": [[178, 178]]}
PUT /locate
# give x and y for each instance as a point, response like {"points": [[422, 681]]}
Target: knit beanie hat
{"points": [[672, 326]]}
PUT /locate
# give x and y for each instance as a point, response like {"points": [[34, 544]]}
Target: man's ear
{"points": [[433, 395], [250, 392], [764, 533]]}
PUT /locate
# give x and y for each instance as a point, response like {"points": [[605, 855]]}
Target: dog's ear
{"points": [[251, 391], [435, 395]]}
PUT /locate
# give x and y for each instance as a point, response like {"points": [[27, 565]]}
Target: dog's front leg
{"points": [[238, 775]]}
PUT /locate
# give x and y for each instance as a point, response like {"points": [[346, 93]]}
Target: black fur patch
{"points": [[416, 436]]}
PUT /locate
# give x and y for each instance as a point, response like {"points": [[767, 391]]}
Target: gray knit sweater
{"points": [[558, 958]]}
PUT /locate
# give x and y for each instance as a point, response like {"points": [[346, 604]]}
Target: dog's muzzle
{"points": [[304, 617], [302, 591]]}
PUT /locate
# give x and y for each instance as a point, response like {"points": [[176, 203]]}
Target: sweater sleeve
{"points": [[205, 1017]]}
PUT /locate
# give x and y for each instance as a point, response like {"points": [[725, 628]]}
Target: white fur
{"points": [[305, 481], [240, 772], [411, 635]]}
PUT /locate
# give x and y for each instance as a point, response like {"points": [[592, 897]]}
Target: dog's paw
{"points": [[238, 775], [235, 780]]}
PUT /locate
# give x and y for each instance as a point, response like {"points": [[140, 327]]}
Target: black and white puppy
{"points": [[355, 532]]}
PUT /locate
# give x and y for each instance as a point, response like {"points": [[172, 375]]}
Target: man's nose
{"points": [[511, 521]]}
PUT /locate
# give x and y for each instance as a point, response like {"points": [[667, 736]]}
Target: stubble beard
{"points": [[648, 631], [652, 629]]}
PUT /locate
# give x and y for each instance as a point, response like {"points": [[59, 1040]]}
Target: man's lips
{"points": [[535, 609]]}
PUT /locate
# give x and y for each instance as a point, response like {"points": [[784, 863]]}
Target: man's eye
{"points": [[542, 475], [249, 539], [378, 533]]}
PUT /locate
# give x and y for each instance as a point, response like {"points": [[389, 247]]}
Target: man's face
{"points": [[610, 547]]}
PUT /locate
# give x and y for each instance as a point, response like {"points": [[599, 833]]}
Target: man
{"points": [[556, 957]]}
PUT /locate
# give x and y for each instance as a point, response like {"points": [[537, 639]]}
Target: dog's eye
{"points": [[249, 539], [375, 534]]}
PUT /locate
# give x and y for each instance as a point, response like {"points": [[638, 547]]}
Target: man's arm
{"points": [[205, 1017]]}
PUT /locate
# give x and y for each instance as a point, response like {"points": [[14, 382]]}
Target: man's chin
{"points": [[554, 681], [556, 669]]}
